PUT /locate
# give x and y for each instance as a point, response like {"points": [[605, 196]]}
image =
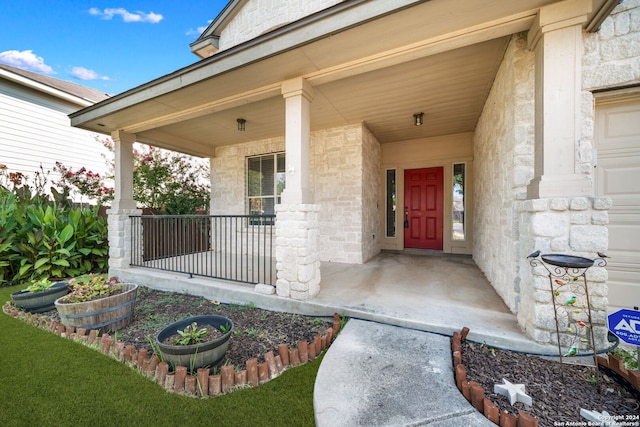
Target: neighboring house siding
{"points": [[345, 182], [503, 158], [35, 130], [260, 16]]}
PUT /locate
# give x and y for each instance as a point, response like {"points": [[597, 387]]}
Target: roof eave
{"points": [[41, 87], [282, 39]]}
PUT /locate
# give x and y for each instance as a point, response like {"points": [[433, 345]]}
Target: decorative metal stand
{"points": [[570, 296]]}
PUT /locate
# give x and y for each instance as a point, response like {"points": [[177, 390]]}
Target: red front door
{"points": [[423, 199]]}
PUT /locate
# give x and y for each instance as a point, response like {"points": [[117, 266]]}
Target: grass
{"points": [[49, 380]]}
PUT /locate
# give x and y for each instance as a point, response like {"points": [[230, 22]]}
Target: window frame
{"points": [[464, 202], [276, 197]]}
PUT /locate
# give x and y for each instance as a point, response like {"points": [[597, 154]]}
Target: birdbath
{"points": [[570, 297]]}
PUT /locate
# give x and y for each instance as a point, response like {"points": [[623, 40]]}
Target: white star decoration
{"points": [[514, 392]]}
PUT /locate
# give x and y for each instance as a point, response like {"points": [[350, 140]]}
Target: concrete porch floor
{"points": [[429, 292]]}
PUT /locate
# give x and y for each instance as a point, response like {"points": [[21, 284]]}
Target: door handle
{"points": [[406, 217]]}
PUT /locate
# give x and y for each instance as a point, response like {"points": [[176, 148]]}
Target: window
{"points": [[458, 232], [391, 203], [265, 183]]}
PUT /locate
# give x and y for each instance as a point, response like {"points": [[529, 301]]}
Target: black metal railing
{"points": [[231, 247]]}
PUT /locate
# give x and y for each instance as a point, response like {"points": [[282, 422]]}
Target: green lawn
{"points": [[46, 380]]}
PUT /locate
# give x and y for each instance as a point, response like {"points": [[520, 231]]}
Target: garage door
{"points": [[618, 177]]}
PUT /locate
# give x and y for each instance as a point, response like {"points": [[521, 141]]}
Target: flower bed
{"points": [[203, 383]]}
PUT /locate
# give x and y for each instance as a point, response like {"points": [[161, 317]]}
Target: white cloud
{"points": [[86, 74], [199, 30], [127, 16], [26, 60]]}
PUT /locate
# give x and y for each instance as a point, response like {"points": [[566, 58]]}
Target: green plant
{"points": [[630, 360], [190, 335], [165, 181], [90, 287], [253, 332], [155, 348], [43, 236], [40, 285], [225, 328]]}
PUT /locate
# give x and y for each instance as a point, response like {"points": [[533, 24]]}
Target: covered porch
{"points": [[428, 291], [324, 119]]}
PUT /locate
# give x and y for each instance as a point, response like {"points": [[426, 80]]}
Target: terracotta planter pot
{"points": [[205, 354], [105, 314], [39, 302]]}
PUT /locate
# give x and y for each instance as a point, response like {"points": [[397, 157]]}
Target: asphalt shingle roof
{"points": [[74, 89]]}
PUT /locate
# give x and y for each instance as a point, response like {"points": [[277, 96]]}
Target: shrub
{"points": [[44, 236], [164, 181]]}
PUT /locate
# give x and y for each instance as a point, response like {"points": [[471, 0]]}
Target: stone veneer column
{"points": [[123, 205], [297, 253], [556, 39], [573, 226]]}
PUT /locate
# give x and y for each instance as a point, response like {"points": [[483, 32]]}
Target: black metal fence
{"points": [[231, 247]]}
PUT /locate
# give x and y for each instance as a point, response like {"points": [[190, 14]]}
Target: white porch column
{"points": [[556, 39], [298, 95], [123, 205], [297, 225], [123, 191]]}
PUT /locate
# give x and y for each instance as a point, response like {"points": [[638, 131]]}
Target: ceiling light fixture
{"points": [[241, 124], [418, 119]]}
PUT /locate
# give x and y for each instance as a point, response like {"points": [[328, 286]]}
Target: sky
{"points": [[112, 45]]}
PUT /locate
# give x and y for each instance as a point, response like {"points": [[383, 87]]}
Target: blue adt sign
{"points": [[625, 324]]}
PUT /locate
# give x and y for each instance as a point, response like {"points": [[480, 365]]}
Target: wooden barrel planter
{"points": [[105, 314], [39, 302], [206, 354]]}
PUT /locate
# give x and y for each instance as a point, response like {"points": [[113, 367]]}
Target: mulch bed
{"points": [[558, 390], [255, 331]]}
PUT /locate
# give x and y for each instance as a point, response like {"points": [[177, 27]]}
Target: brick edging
{"points": [[201, 384], [474, 393]]}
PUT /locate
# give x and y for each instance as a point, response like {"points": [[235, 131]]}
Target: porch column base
{"points": [[119, 234], [570, 226], [297, 252]]}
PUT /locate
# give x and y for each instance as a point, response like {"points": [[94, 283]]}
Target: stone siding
{"points": [[572, 226], [337, 177], [611, 56], [229, 174], [257, 17], [371, 190], [611, 59], [345, 180], [507, 226], [503, 159]]}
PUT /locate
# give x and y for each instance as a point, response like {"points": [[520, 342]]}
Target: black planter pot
{"points": [[39, 302], [206, 354]]}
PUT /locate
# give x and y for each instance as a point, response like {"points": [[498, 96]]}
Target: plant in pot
{"points": [[40, 295], [195, 342], [97, 302]]}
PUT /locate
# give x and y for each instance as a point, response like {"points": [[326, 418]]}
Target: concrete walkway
{"points": [[382, 375]]}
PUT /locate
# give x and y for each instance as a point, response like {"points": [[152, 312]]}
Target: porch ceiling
{"points": [[372, 62]]}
